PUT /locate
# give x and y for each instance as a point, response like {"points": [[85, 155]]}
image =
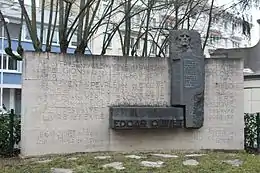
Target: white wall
{"points": [[252, 96]]}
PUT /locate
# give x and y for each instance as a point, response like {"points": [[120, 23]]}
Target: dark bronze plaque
{"points": [[146, 117]]}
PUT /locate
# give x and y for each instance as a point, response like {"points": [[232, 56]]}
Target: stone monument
{"points": [[73, 103], [187, 90], [188, 75]]}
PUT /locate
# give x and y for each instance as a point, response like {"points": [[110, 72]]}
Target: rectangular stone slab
{"points": [[146, 117], [188, 75]]}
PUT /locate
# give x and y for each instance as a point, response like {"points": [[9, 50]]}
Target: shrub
{"points": [[252, 132], [7, 141]]}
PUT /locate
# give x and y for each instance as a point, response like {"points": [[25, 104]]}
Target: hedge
{"points": [[10, 133]]}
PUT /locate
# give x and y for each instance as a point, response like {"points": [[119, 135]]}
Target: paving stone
{"points": [[115, 165], [235, 162], [157, 164], [194, 155], [61, 170], [166, 155], [232, 154], [102, 157], [72, 158], [190, 162], [134, 157], [44, 161]]}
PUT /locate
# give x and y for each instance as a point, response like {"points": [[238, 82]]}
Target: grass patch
{"points": [[85, 163]]}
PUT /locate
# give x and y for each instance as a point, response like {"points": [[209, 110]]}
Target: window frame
{"points": [[6, 69]]}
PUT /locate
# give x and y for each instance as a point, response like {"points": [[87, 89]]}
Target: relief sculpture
{"points": [[183, 41]]}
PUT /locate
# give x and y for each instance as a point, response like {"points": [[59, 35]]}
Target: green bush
{"points": [[6, 140], [252, 132]]}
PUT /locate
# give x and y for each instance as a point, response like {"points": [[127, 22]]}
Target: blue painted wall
{"points": [[12, 78], [28, 46]]}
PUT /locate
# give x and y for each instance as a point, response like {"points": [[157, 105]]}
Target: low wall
{"points": [[65, 103]]}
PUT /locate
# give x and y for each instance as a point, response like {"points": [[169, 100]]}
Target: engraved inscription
{"points": [[80, 136], [192, 73], [77, 93], [145, 87], [146, 117], [220, 135]]}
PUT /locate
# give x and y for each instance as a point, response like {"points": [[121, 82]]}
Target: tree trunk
{"points": [[209, 24]]}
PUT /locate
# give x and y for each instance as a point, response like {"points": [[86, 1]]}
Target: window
{"points": [[12, 64], [132, 42], [210, 39], [166, 49], [166, 46], [235, 44], [154, 22], [105, 6], [8, 63], [110, 42], [138, 18], [90, 44], [166, 24], [28, 2], [226, 42], [137, 45], [233, 27], [14, 30], [214, 20], [44, 34], [74, 40], [153, 48], [26, 34], [214, 39], [55, 39], [5, 62], [225, 25]]}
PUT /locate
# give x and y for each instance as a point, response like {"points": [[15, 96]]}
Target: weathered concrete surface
{"points": [[157, 164], [190, 162], [115, 165], [65, 104]]}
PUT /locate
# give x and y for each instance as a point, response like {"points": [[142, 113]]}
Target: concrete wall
{"points": [[252, 95], [65, 104]]}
